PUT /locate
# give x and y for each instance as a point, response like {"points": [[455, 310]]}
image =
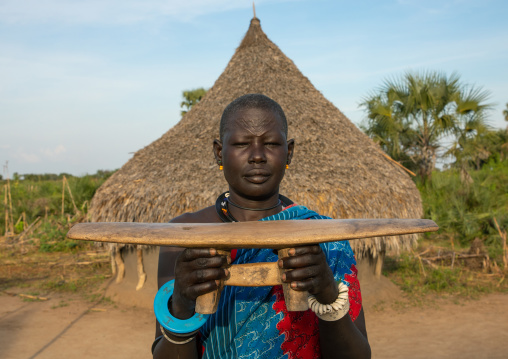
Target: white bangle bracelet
{"points": [[174, 341], [333, 311]]}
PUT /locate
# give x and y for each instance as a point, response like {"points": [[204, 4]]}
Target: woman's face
{"points": [[254, 153]]}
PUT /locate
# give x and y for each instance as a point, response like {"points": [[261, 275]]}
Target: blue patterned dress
{"points": [[253, 322]]}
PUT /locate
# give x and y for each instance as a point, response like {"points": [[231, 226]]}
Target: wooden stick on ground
{"points": [[35, 297]]}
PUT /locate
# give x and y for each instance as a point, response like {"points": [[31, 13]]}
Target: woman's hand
{"points": [[197, 271], [309, 271]]}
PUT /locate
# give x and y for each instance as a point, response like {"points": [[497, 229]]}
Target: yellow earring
{"points": [[287, 165], [221, 168]]}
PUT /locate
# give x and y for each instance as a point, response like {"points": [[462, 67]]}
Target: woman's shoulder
{"points": [[205, 215]]}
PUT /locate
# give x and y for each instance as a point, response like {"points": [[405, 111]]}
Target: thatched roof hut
{"points": [[336, 170]]}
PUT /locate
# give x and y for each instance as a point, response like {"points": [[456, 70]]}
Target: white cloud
{"points": [[53, 153], [39, 156], [27, 157]]}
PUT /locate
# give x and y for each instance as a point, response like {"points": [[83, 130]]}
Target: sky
{"points": [[84, 84]]}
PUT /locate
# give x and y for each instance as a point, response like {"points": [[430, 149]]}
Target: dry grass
{"points": [[430, 270], [25, 270]]}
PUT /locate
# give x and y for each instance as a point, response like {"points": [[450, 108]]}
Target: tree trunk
{"points": [[427, 163]]}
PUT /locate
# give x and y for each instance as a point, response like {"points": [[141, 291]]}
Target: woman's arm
{"points": [[343, 338], [163, 348], [196, 271], [310, 272]]}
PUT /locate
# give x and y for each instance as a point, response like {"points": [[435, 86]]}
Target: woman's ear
{"points": [[291, 149], [217, 151]]}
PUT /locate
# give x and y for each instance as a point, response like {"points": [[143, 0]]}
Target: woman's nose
{"points": [[257, 154]]}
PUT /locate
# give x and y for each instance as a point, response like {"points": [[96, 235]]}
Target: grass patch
{"points": [[42, 195], [419, 280], [60, 285], [42, 273], [61, 304]]}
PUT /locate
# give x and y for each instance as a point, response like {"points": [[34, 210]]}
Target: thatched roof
{"points": [[336, 169]]}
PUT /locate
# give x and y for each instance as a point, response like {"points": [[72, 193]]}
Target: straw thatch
{"points": [[336, 169]]}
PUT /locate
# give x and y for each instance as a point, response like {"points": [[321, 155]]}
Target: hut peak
{"points": [[254, 36]]}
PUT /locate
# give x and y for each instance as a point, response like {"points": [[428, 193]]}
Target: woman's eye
{"points": [[272, 144], [240, 144]]}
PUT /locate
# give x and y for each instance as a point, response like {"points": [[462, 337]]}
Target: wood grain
{"points": [[254, 275], [276, 234]]}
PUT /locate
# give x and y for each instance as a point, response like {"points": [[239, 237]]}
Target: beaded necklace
{"points": [[221, 206]]}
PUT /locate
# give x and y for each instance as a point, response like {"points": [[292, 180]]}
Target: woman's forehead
{"points": [[255, 121]]}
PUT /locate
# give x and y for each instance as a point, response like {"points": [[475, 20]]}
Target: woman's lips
{"points": [[257, 177]]}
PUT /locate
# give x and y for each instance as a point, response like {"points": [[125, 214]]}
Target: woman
{"points": [[254, 153]]}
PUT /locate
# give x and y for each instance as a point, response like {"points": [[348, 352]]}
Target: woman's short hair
{"points": [[252, 100]]}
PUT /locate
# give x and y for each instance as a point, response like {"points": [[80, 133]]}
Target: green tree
{"points": [[409, 116], [505, 113], [190, 98], [472, 135], [387, 127]]}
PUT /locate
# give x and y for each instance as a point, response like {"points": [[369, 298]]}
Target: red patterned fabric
{"points": [[355, 295], [233, 254], [301, 329]]}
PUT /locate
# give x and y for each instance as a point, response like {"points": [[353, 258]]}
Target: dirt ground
{"points": [[67, 326]]}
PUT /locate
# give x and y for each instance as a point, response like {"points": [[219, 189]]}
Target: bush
{"points": [[41, 196], [52, 238], [467, 210], [418, 279]]}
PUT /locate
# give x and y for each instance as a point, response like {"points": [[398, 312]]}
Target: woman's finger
{"points": [[302, 274], [212, 262], [200, 289], [298, 251], [301, 261], [304, 285], [191, 254], [206, 275]]}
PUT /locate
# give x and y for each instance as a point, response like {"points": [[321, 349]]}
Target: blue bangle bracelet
{"points": [[170, 323]]}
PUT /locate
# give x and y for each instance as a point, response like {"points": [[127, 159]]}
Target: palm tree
{"points": [[505, 113], [418, 110], [471, 132], [386, 126]]}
